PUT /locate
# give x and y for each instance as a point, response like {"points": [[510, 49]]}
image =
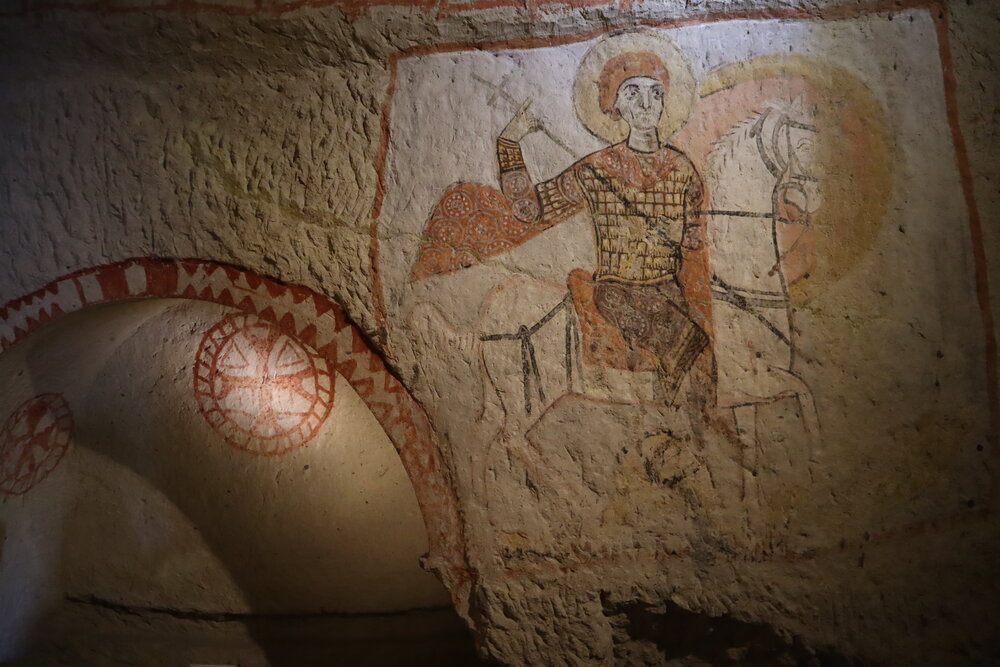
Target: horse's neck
{"points": [[742, 183], [743, 245]]}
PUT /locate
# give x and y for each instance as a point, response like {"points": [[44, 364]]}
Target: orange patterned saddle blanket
{"points": [[601, 342]]}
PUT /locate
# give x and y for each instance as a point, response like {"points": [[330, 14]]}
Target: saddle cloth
{"points": [[601, 342]]}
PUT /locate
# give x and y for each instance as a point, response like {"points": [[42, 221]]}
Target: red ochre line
{"points": [[555, 563], [353, 8], [441, 8], [975, 231], [378, 298]]}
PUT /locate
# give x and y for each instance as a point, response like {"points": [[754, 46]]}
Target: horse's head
{"points": [[790, 154], [767, 162]]}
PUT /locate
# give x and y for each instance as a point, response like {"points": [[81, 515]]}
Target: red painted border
{"points": [[440, 8], [938, 13], [353, 8], [936, 8], [975, 230], [307, 316], [555, 564]]}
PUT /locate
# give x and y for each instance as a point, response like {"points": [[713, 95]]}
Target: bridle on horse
{"points": [[750, 300]]}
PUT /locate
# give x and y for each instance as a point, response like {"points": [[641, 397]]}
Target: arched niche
{"points": [[155, 507]]}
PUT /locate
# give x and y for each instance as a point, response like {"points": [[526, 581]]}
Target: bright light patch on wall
{"points": [[261, 390]]}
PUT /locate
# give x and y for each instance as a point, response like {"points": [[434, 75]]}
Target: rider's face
{"points": [[640, 102]]}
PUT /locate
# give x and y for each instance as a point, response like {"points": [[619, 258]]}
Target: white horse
{"points": [[527, 340], [526, 349], [762, 166]]}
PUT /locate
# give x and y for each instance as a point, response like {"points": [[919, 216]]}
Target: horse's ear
{"points": [[799, 106]]}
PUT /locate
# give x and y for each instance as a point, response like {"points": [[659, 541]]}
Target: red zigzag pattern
{"points": [[307, 316]]}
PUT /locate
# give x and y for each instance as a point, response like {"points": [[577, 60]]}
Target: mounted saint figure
{"points": [[642, 195]]}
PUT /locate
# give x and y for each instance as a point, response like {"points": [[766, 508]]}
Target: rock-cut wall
{"points": [[691, 302]]}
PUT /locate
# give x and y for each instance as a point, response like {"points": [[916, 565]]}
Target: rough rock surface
{"points": [[835, 508]]}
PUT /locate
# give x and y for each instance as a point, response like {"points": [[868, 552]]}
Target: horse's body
{"points": [[754, 173], [528, 337]]}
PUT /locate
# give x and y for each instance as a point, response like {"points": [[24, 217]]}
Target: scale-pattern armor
{"points": [[644, 209], [643, 205]]}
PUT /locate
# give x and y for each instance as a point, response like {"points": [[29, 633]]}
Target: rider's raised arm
{"points": [[548, 202]]}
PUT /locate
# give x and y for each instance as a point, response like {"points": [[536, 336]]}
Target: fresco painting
{"points": [[260, 389], [659, 268]]}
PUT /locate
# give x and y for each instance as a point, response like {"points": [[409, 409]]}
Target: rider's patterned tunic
{"points": [[643, 206]]}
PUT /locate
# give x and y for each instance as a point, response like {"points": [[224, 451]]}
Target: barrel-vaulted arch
{"points": [[305, 315]]}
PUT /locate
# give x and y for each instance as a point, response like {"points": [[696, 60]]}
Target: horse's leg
{"points": [[810, 419], [781, 383], [503, 387], [787, 383], [746, 429]]}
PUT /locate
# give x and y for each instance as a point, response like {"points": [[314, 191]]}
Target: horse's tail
{"points": [[435, 328], [492, 415]]}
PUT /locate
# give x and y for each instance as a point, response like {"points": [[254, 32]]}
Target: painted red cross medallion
{"points": [[33, 441], [261, 390]]}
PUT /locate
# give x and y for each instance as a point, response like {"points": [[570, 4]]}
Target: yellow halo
{"points": [[855, 147], [680, 94]]}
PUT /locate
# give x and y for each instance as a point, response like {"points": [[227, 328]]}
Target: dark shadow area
{"points": [[90, 632], [721, 641]]}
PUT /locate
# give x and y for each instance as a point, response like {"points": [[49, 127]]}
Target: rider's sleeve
{"points": [[548, 202], [694, 222]]}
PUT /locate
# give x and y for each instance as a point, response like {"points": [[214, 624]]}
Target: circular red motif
{"points": [[33, 441], [526, 209], [447, 231], [457, 204], [261, 390], [483, 227], [515, 184], [437, 258]]}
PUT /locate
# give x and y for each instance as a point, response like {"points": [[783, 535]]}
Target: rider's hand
{"points": [[522, 124], [694, 237]]}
